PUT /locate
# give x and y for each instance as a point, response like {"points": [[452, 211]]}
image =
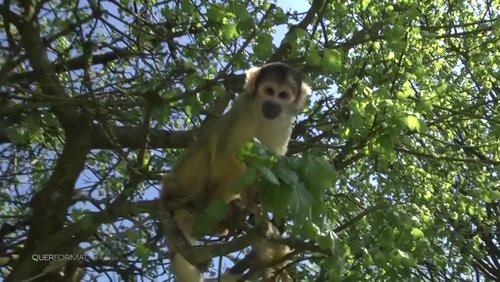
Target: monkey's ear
{"points": [[249, 86], [305, 90]]}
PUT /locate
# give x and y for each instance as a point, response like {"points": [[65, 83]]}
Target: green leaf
{"points": [[386, 142], [276, 198], [229, 32], [246, 179], [264, 47], [280, 17], [413, 123], [420, 72], [187, 6], [417, 233], [367, 258], [133, 235], [326, 241], [424, 105], [386, 238], [313, 58], [215, 13], [395, 32], [245, 21], [365, 3], [310, 230], [18, 135], [300, 34], [383, 92], [398, 257], [494, 195], [441, 89], [317, 175], [268, 175], [378, 257], [301, 200], [142, 251], [332, 61], [287, 175]]}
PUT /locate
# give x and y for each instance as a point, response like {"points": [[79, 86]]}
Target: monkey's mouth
{"points": [[271, 110]]}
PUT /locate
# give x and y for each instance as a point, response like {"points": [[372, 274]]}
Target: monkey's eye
{"points": [[269, 91], [283, 95]]}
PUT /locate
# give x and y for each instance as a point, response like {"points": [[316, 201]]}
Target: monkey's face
{"points": [[278, 90], [276, 98]]}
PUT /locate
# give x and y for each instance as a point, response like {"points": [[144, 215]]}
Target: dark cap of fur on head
{"points": [[279, 72]]}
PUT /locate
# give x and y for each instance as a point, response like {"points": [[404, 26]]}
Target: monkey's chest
{"points": [[275, 135]]}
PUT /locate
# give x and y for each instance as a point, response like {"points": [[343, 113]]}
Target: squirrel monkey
{"points": [[273, 95]]}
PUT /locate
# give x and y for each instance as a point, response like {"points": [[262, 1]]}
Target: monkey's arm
{"points": [[237, 127]]}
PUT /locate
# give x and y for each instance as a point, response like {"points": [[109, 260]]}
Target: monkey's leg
{"points": [[227, 173]]}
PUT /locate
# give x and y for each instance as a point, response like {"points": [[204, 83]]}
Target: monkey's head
{"points": [[278, 88]]}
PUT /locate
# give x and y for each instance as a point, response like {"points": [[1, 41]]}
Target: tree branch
{"points": [[126, 137], [77, 63]]}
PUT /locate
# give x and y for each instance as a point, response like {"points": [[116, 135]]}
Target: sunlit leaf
{"points": [[332, 60], [264, 46], [417, 233], [413, 123]]}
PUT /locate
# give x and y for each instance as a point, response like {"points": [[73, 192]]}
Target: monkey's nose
{"points": [[271, 110]]}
